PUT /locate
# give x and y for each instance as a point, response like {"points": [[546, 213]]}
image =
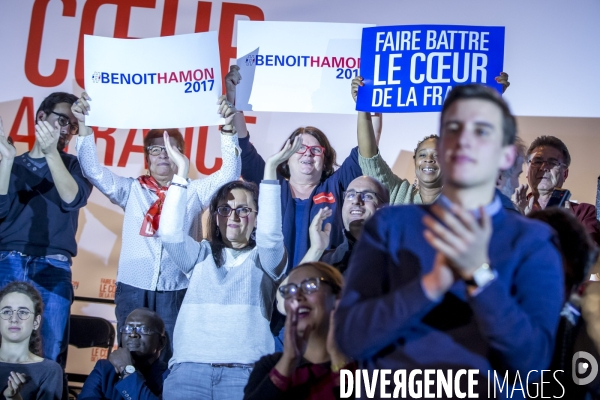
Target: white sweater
{"points": [[226, 311]]}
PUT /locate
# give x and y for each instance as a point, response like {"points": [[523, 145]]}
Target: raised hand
{"points": [[338, 359], [182, 162], [283, 155], [120, 358], [81, 107], [356, 82], [319, 234], [7, 149], [232, 79], [503, 80], [47, 136], [520, 199], [226, 109], [16, 380], [294, 345], [460, 237]]}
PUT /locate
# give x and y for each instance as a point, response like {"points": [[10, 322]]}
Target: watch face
{"points": [[130, 369]]}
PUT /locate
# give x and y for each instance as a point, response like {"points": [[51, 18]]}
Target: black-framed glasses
{"points": [[139, 329], [314, 150], [63, 121], [307, 286], [552, 163], [365, 197], [241, 211], [22, 313]]}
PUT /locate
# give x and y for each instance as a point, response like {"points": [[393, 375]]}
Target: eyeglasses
{"points": [[242, 212], [156, 150], [63, 121], [23, 314], [139, 329], [314, 150], [365, 197], [307, 286], [552, 163]]}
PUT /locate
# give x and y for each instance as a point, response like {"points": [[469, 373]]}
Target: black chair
{"points": [[88, 332]]}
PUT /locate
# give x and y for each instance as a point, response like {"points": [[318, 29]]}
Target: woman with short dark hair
{"points": [[223, 325]]}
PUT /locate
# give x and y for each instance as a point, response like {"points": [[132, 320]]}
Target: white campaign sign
{"points": [[297, 66], [159, 82]]}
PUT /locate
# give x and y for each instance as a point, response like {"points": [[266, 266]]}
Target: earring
{"points": [[415, 185], [253, 235]]}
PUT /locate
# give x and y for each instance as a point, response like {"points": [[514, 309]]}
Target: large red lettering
{"points": [[228, 13], [34, 46], [169, 18], [88, 23], [110, 143], [201, 154], [25, 110], [203, 16]]}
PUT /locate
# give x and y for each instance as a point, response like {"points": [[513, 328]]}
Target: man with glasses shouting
{"points": [[548, 162], [133, 371], [41, 192]]}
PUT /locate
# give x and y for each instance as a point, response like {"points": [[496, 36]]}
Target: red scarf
{"points": [[152, 217]]}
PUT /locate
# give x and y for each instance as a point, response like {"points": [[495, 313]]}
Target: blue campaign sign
{"points": [[411, 68]]}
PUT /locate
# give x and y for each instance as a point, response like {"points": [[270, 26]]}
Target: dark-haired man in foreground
{"points": [[133, 371], [41, 193], [461, 284]]}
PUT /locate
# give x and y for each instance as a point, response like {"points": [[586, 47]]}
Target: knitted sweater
{"points": [[226, 311]]}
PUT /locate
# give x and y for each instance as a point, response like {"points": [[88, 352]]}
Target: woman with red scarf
{"points": [[147, 276]]}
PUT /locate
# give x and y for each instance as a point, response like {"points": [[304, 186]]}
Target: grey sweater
{"points": [[226, 311]]}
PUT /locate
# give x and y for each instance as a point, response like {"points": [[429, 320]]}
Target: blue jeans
{"points": [[52, 278], [166, 303], [203, 381]]}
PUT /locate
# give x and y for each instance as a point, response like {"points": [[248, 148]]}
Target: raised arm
{"points": [[367, 140], [113, 186], [232, 163], [184, 250], [253, 165], [47, 136], [269, 234]]}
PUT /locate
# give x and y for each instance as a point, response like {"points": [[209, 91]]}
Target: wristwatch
{"points": [[129, 369], [482, 276]]}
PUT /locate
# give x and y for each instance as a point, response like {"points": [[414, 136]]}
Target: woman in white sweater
{"points": [[223, 325]]}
